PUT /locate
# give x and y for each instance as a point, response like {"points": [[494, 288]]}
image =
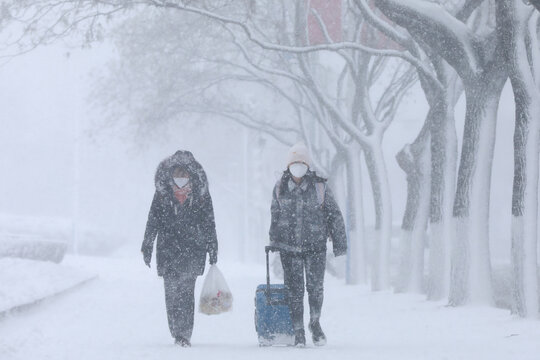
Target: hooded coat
{"points": [[306, 216], [185, 232]]}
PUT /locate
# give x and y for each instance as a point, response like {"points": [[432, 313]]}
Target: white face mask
{"points": [[181, 181], [298, 170]]}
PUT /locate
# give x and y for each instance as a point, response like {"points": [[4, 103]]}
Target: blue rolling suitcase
{"points": [[272, 318]]}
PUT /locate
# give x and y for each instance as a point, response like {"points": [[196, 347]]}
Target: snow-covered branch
{"points": [[443, 32]]}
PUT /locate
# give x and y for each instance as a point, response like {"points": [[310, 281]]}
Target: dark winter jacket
{"points": [[185, 232], [304, 216]]}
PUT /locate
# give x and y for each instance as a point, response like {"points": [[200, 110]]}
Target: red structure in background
{"points": [[331, 14]]}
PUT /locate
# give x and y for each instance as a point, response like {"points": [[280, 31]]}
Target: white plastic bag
{"points": [[216, 298]]}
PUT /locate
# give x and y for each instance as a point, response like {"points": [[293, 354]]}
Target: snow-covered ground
{"points": [[23, 282], [121, 315]]}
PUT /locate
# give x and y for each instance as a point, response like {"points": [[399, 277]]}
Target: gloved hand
{"points": [[340, 261], [147, 256], [213, 257], [340, 252]]}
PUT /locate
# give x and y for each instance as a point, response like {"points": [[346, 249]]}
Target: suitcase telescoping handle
{"points": [[268, 249]]}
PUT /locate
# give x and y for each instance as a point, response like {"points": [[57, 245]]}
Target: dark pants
{"points": [[293, 270], [180, 302]]}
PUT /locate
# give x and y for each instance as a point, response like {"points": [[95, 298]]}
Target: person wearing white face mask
{"points": [[298, 170], [181, 187], [304, 216], [181, 217], [181, 180]]}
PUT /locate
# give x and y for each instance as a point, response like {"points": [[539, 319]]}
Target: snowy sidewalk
{"points": [[121, 315]]}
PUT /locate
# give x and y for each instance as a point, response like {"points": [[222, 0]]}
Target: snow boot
{"points": [[299, 338], [183, 342], [317, 335]]}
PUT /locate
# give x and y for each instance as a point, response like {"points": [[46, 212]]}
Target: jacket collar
{"points": [[293, 186]]}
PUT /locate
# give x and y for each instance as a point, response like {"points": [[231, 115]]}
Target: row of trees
{"points": [[341, 92], [499, 43]]}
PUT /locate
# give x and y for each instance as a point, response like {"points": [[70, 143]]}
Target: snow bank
{"points": [[51, 228], [33, 248], [35, 238], [25, 282]]}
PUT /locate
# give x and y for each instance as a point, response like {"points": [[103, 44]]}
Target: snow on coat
{"points": [[185, 232], [305, 216]]}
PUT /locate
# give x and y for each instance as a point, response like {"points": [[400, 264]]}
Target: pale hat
{"points": [[299, 153]]}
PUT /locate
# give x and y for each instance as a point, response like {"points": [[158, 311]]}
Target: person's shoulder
{"points": [[277, 185], [316, 178], [280, 181]]}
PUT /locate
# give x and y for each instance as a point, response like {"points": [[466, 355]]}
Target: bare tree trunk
{"points": [[519, 34], [378, 174], [444, 163], [356, 262], [415, 159], [443, 185], [525, 209], [471, 264]]}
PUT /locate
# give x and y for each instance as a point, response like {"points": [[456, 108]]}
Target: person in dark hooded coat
{"points": [[182, 218], [304, 216]]}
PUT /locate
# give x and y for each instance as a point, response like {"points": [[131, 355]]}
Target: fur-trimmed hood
{"points": [[184, 159]]}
